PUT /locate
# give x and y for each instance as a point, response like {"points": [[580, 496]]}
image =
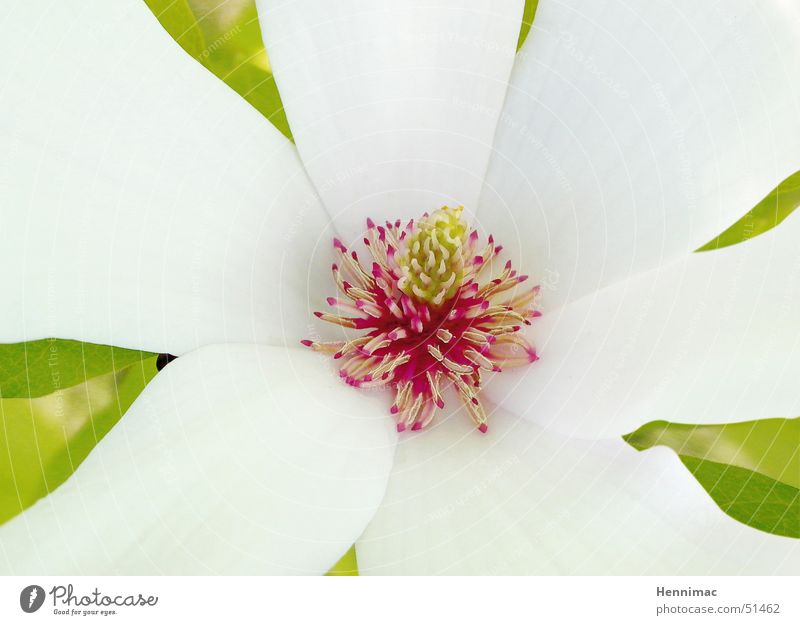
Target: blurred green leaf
{"points": [[42, 367], [749, 497], [750, 469], [225, 37], [765, 215], [178, 19], [44, 439], [346, 566], [528, 13]]}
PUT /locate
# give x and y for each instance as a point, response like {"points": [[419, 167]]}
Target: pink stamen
{"points": [[416, 345]]}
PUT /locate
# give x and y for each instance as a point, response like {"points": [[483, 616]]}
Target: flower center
{"points": [[424, 318]]}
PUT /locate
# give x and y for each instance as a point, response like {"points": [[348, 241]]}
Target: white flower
{"points": [[146, 205]]}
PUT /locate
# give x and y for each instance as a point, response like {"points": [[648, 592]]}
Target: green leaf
{"points": [[346, 566], [178, 19], [528, 13], [42, 367], [765, 215], [225, 37], [752, 498], [44, 439], [750, 469]]}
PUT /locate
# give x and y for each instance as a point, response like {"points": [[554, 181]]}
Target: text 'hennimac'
{"points": [[685, 592]]}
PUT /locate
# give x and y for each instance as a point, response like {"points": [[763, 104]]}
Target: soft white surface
{"points": [[143, 203], [521, 500], [234, 460], [712, 338], [634, 132], [393, 104]]}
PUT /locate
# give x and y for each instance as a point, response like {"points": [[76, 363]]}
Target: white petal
{"points": [[144, 203], [521, 500], [710, 339], [634, 132], [393, 105], [234, 460]]}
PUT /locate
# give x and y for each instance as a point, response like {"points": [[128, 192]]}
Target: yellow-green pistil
{"points": [[433, 263]]}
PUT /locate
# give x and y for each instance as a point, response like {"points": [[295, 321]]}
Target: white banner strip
{"points": [[389, 601]]}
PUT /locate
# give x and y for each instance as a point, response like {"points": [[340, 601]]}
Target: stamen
{"points": [[325, 348], [342, 321], [444, 335], [425, 316]]}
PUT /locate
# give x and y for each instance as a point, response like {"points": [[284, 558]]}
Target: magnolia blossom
{"points": [[146, 205]]}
